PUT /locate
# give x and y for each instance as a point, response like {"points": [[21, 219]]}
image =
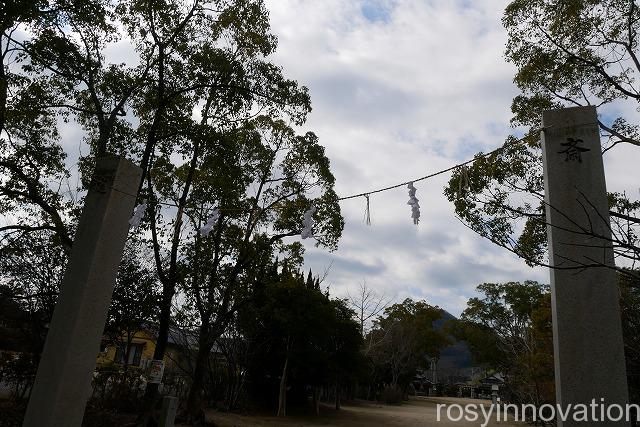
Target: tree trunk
{"points": [[337, 394], [316, 399], [282, 398], [124, 381], [195, 391], [151, 392]]}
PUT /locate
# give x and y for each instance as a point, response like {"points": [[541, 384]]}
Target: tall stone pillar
{"points": [[63, 381], [587, 332]]}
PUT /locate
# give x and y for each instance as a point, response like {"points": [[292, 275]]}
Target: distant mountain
{"points": [[455, 360], [438, 324]]}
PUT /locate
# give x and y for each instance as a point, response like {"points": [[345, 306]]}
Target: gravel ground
{"points": [[419, 411]]}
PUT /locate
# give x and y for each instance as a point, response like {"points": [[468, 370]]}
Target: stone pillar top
{"points": [[117, 172]]}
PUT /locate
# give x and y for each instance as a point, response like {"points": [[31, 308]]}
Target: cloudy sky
{"points": [[401, 88]]}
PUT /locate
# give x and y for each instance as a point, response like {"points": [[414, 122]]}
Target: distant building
{"points": [[480, 385], [181, 348]]}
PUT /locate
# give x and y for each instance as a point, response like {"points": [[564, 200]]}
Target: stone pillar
{"points": [[63, 380], [587, 332]]}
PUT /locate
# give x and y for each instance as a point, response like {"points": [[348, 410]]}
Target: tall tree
{"points": [[567, 53], [405, 341], [262, 186], [184, 106], [54, 70], [210, 79], [195, 72], [367, 305], [508, 329], [30, 276], [299, 338]]}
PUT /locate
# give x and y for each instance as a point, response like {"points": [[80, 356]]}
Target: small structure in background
{"points": [[433, 391], [482, 386], [135, 356], [494, 394]]}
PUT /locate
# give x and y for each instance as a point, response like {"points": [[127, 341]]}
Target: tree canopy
{"points": [[298, 338], [186, 90], [402, 340], [508, 329], [567, 53]]}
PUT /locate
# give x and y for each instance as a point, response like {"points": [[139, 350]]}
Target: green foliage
{"points": [[292, 319], [134, 302], [481, 340], [19, 343], [199, 105], [19, 371], [402, 340], [505, 190], [576, 52], [262, 177], [206, 58], [417, 317], [567, 53], [508, 329], [392, 395], [31, 268]]}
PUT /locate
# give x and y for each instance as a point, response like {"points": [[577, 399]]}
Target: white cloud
{"points": [[400, 89]]}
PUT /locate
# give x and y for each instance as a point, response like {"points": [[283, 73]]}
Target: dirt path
{"points": [[419, 411]]}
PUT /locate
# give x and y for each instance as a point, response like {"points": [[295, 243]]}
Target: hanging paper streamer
{"points": [[413, 202], [307, 223], [367, 212], [463, 180], [138, 214], [211, 222]]}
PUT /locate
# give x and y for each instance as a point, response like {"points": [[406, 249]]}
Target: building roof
{"points": [[180, 337]]}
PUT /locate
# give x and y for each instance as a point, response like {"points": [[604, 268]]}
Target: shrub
{"points": [[392, 395], [18, 370]]}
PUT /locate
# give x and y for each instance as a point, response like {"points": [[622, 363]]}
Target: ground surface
{"points": [[419, 411], [11, 416]]}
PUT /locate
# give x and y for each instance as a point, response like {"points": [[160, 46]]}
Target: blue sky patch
{"points": [[376, 11]]}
